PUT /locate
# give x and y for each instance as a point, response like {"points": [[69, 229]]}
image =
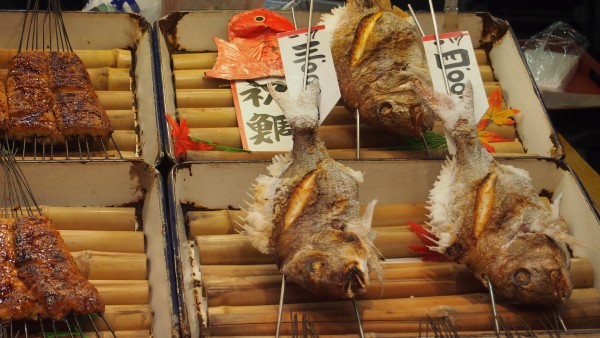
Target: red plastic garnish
{"points": [[496, 115], [428, 239], [182, 142]]}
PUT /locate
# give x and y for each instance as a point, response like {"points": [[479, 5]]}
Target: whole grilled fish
{"points": [[489, 216], [306, 213], [379, 59]]}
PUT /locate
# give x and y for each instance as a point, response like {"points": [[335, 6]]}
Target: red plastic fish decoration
{"points": [[252, 51], [428, 239]]}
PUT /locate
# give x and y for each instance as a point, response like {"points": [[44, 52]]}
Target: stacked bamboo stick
{"points": [[241, 287], [207, 105], [109, 250], [111, 75]]}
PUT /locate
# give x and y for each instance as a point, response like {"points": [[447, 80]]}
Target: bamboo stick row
{"points": [[89, 218], [469, 312]]}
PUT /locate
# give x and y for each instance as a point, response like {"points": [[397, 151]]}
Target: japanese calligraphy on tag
{"points": [[292, 46], [261, 122], [461, 67]]}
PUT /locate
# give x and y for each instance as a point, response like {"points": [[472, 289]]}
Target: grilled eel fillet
{"points": [[78, 109], [16, 299], [30, 100], [3, 109], [50, 95], [47, 283]]}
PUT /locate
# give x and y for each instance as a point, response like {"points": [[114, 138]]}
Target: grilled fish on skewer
{"points": [[489, 216], [306, 213], [379, 60]]}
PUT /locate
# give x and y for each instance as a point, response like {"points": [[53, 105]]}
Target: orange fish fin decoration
{"points": [[429, 240], [497, 115], [233, 64]]}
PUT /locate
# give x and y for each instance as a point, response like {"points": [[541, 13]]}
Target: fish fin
{"points": [[233, 64], [300, 198], [302, 113], [484, 202], [363, 32], [451, 111], [367, 216]]}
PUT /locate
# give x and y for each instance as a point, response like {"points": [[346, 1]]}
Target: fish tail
{"points": [[301, 113], [456, 114]]}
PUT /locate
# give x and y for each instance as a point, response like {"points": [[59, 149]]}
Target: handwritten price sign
{"points": [[461, 66], [260, 120], [320, 66]]}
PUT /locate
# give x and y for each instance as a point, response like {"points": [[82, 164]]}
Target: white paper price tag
{"points": [[260, 120], [292, 46], [461, 67]]}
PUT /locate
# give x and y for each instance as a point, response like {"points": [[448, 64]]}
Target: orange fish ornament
{"points": [[252, 51]]}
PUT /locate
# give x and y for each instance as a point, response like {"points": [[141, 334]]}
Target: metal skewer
{"points": [[494, 311], [439, 47], [280, 310], [358, 320]]}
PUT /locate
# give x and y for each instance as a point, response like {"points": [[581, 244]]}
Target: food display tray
{"points": [[228, 289], [112, 218], [208, 105], [117, 51]]}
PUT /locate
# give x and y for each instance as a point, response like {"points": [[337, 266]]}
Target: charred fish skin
{"points": [[306, 213], [489, 216], [380, 61]]}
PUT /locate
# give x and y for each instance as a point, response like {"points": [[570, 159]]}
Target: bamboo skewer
{"points": [[467, 312], [111, 265], [110, 241], [115, 58], [221, 222], [222, 117], [207, 59], [92, 218], [116, 99], [417, 280], [123, 292]]}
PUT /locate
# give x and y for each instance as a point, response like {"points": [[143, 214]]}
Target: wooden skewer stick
{"points": [[110, 241], [116, 99], [116, 58], [123, 292], [92, 218], [111, 265]]}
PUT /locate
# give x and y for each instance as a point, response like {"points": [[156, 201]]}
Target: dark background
{"points": [[581, 127]]}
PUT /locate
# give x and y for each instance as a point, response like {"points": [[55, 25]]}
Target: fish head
{"points": [[257, 23], [404, 111], [535, 270], [334, 263]]}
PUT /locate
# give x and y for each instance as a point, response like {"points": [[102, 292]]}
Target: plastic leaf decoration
{"points": [[428, 239], [181, 139], [497, 115]]}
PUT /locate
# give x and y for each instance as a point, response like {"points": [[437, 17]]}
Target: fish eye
{"points": [[314, 266], [521, 277], [385, 108], [259, 18]]}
